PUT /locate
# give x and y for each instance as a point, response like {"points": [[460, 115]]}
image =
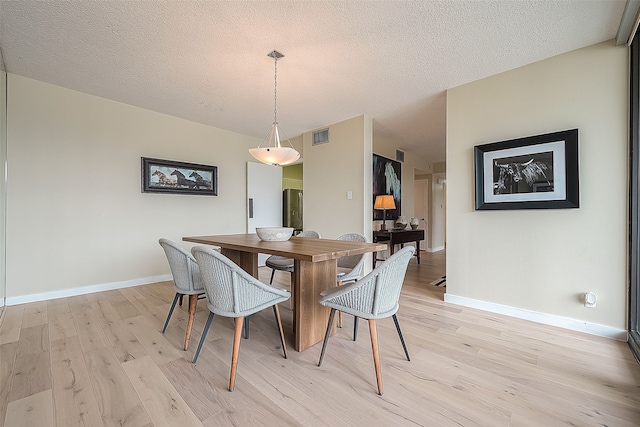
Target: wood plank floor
{"points": [[100, 359]]}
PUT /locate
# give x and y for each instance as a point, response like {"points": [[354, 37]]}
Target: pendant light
{"points": [[271, 151]]}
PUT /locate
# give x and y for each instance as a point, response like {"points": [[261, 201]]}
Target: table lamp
{"points": [[384, 202]]}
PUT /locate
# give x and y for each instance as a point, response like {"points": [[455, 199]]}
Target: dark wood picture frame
{"points": [[536, 172], [168, 176]]}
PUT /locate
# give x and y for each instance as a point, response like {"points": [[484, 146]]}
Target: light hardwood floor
{"points": [[100, 359]]}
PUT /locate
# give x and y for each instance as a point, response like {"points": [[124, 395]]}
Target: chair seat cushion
{"points": [[279, 263]]}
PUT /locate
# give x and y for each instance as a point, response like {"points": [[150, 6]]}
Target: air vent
{"points": [[400, 156], [321, 136]]}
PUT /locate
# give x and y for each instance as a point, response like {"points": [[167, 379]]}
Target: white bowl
{"points": [[274, 234]]}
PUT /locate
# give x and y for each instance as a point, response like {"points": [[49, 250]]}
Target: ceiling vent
{"points": [[321, 136], [400, 156]]}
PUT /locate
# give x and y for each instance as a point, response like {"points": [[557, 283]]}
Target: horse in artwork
{"points": [[200, 181], [163, 180], [183, 181]]}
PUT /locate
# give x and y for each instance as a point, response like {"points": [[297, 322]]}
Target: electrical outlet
{"points": [[590, 300]]}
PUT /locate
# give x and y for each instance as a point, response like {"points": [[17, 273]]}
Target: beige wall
{"points": [[76, 215], [544, 260], [330, 171]]}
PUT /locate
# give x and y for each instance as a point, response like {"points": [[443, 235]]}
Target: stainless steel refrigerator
{"points": [[292, 208]]}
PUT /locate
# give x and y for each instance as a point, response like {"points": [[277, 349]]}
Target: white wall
{"points": [[330, 171], [76, 214], [544, 260]]}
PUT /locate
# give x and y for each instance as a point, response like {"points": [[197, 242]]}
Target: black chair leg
{"points": [[355, 328], [246, 327], [166, 323], [204, 335], [273, 271], [276, 313], [327, 334], [406, 353]]}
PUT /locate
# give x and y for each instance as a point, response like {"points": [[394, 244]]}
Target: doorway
{"points": [[264, 198]]}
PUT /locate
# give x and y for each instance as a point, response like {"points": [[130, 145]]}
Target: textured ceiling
{"points": [[207, 61]]}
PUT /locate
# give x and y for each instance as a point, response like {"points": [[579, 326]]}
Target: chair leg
{"points": [[355, 328], [166, 323], [406, 353], [327, 334], [273, 272], [193, 302], [339, 313], [180, 304], [237, 336], [246, 327], [376, 357], [276, 312], [204, 335]]}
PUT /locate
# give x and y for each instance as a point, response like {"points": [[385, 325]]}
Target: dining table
{"points": [[315, 270]]}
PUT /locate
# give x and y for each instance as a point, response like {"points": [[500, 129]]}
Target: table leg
{"points": [[248, 261], [310, 318], [418, 250]]}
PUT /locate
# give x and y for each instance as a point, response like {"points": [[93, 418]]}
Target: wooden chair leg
{"points": [[376, 356], [404, 346], [204, 335], [276, 311], [166, 323], [237, 337], [193, 303], [339, 313], [327, 334]]}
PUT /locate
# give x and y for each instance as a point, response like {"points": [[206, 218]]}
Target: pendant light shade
{"points": [[271, 151]]}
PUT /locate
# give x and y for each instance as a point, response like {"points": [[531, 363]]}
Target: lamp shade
{"points": [[384, 202], [271, 150]]}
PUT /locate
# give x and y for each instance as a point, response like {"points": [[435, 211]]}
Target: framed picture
{"points": [[536, 172], [387, 177], [168, 176]]}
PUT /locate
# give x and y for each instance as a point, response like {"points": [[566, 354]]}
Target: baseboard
{"points": [[547, 319], [22, 299], [436, 249]]}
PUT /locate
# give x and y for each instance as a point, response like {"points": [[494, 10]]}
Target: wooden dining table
{"points": [[315, 269]]}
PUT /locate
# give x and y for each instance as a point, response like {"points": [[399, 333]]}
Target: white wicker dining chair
{"points": [[232, 292], [355, 264], [276, 262], [186, 281], [373, 297]]}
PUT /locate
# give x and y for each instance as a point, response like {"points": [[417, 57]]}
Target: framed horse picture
{"points": [[168, 176], [536, 172]]}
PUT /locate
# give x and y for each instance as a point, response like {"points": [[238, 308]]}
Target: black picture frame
{"points": [[535, 172], [168, 176], [387, 179]]}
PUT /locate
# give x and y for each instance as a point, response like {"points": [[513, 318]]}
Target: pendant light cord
{"points": [[275, 93]]}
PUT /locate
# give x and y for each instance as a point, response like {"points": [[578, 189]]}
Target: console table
{"points": [[398, 237]]}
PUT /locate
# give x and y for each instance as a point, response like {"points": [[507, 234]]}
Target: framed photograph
{"points": [[536, 172], [168, 176], [387, 179]]}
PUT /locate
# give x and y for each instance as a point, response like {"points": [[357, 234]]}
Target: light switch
{"points": [[349, 195]]}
